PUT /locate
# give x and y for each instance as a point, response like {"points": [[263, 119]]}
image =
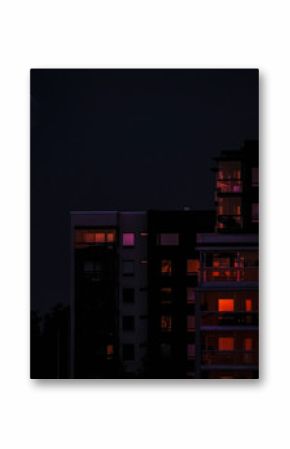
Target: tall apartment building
{"points": [[170, 294], [173, 277], [109, 298], [227, 300]]}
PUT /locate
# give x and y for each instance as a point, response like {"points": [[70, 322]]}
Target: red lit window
{"points": [[248, 305], [226, 305], [191, 351], [193, 266], [110, 351], [226, 343], [94, 236], [166, 266], [248, 344], [166, 323], [190, 323], [128, 239]]}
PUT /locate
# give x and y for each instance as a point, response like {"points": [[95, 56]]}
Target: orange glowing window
{"points": [[193, 266], [100, 237], [248, 305], [166, 323], [226, 305], [93, 236], [248, 344], [166, 266], [226, 344], [109, 351], [110, 237]]}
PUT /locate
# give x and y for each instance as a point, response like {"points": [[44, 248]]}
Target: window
{"points": [[165, 351], [255, 176], [128, 267], [94, 236], [128, 239], [128, 352], [248, 305], [168, 239], [128, 323], [193, 266], [226, 305], [166, 323], [226, 343], [190, 295], [190, 351], [166, 267], [255, 213], [128, 295], [166, 295], [248, 344], [190, 323], [109, 352]]}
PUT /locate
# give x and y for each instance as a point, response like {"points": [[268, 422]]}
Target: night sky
{"points": [[125, 140]]}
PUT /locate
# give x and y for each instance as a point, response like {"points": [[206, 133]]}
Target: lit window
{"points": [[166, 323], [166, 266], [128, 267], [191, 351], [128, 352], [168, 239], [128, 323], [128, 239], [248, 344], [128, 295], [92, 236], [248, 305], [190, 323], [226, 344], [225, 305], [109, 352], [193, 266], [190, 295]]}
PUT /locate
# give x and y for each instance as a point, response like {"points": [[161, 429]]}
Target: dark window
{"points": [[128, 295], [128, 352], [128, 323], [168, 239], [128, 267]]}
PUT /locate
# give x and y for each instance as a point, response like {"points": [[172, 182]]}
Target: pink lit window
{"points": [[128, 239]]}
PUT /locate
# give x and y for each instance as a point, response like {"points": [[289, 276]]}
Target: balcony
{"points": [[229, 222], [229, 186], [229, 319], [247, 274], [213, 357]]}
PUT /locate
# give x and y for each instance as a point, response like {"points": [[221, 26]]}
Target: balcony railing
{"points": [[229, 319], [248, 274], [229, 222], [213, 357], [229, 185]]}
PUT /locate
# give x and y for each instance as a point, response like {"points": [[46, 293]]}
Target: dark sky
{"points": [[127, 140]]}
